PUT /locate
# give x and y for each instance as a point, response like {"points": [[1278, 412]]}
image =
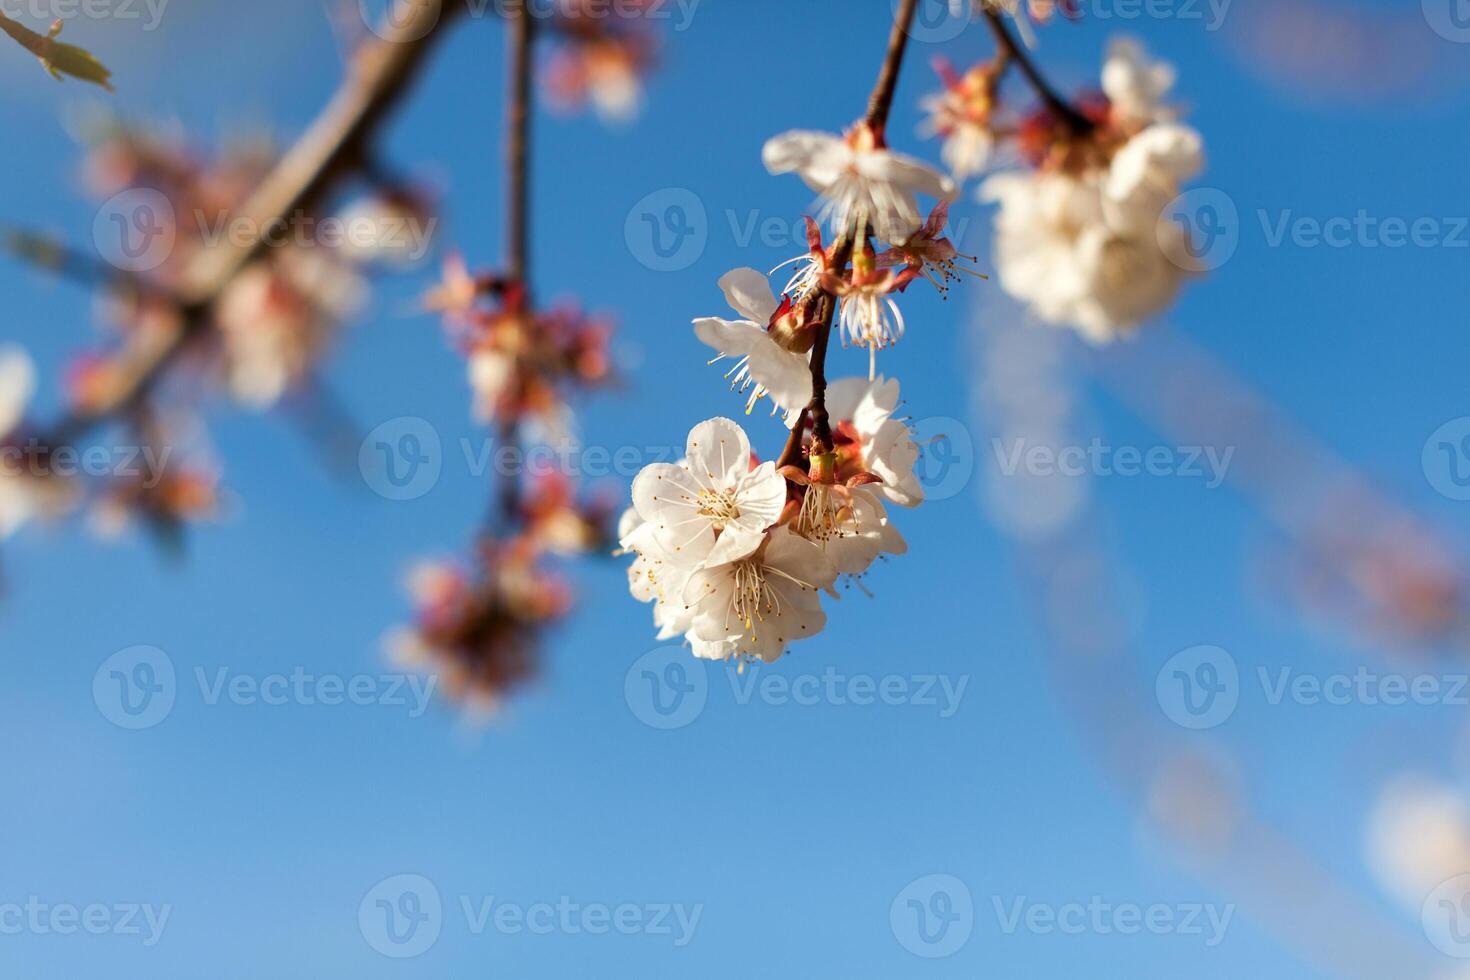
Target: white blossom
{"points": [[761, 604], [762, 367], [863, 412], [713, 507], [1092, 247], [859, 181], [1136, 86]]}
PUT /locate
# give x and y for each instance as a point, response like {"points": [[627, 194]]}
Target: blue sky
{"points": [[793, 828]]}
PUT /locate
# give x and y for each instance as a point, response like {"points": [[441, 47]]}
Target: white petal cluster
{"points": [[724, 562], [762, 367], [859, 182], [1095, 249], [884, 445]]}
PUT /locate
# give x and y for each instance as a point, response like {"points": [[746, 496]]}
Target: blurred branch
{"points": [[334, 145], [1012, 52], [517, 209]]}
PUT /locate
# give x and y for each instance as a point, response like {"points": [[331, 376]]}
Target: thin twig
{"points": [[1013, 52], [517, 211], [879, 105], [881, 101], [518, 147]]}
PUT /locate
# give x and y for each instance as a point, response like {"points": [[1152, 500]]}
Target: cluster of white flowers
{"points": [[737, 568], [1084, 239], [733, 553]]}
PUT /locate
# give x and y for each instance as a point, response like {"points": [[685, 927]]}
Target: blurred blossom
{"points": [[593, 65], [278, 317], [1418, 835], [1081, 238], [480, 632]]}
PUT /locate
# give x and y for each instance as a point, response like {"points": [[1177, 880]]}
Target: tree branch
{"points": [[1013, 52], [379, 74], [880, 103]]}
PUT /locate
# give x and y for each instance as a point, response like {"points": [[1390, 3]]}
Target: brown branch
{"points": [[880, 103], [378, 76], [518, 147], [517, 218], [1012, 52]]}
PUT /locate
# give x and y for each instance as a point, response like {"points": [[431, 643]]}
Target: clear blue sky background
{"points": [[795, 827]]}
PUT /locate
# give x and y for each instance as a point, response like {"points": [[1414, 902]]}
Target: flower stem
{"points": [[517, 231], [1013, 53], [880, 103]]}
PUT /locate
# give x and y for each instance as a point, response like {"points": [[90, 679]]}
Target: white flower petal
{"points": [[718, 453], [748, 292]]}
